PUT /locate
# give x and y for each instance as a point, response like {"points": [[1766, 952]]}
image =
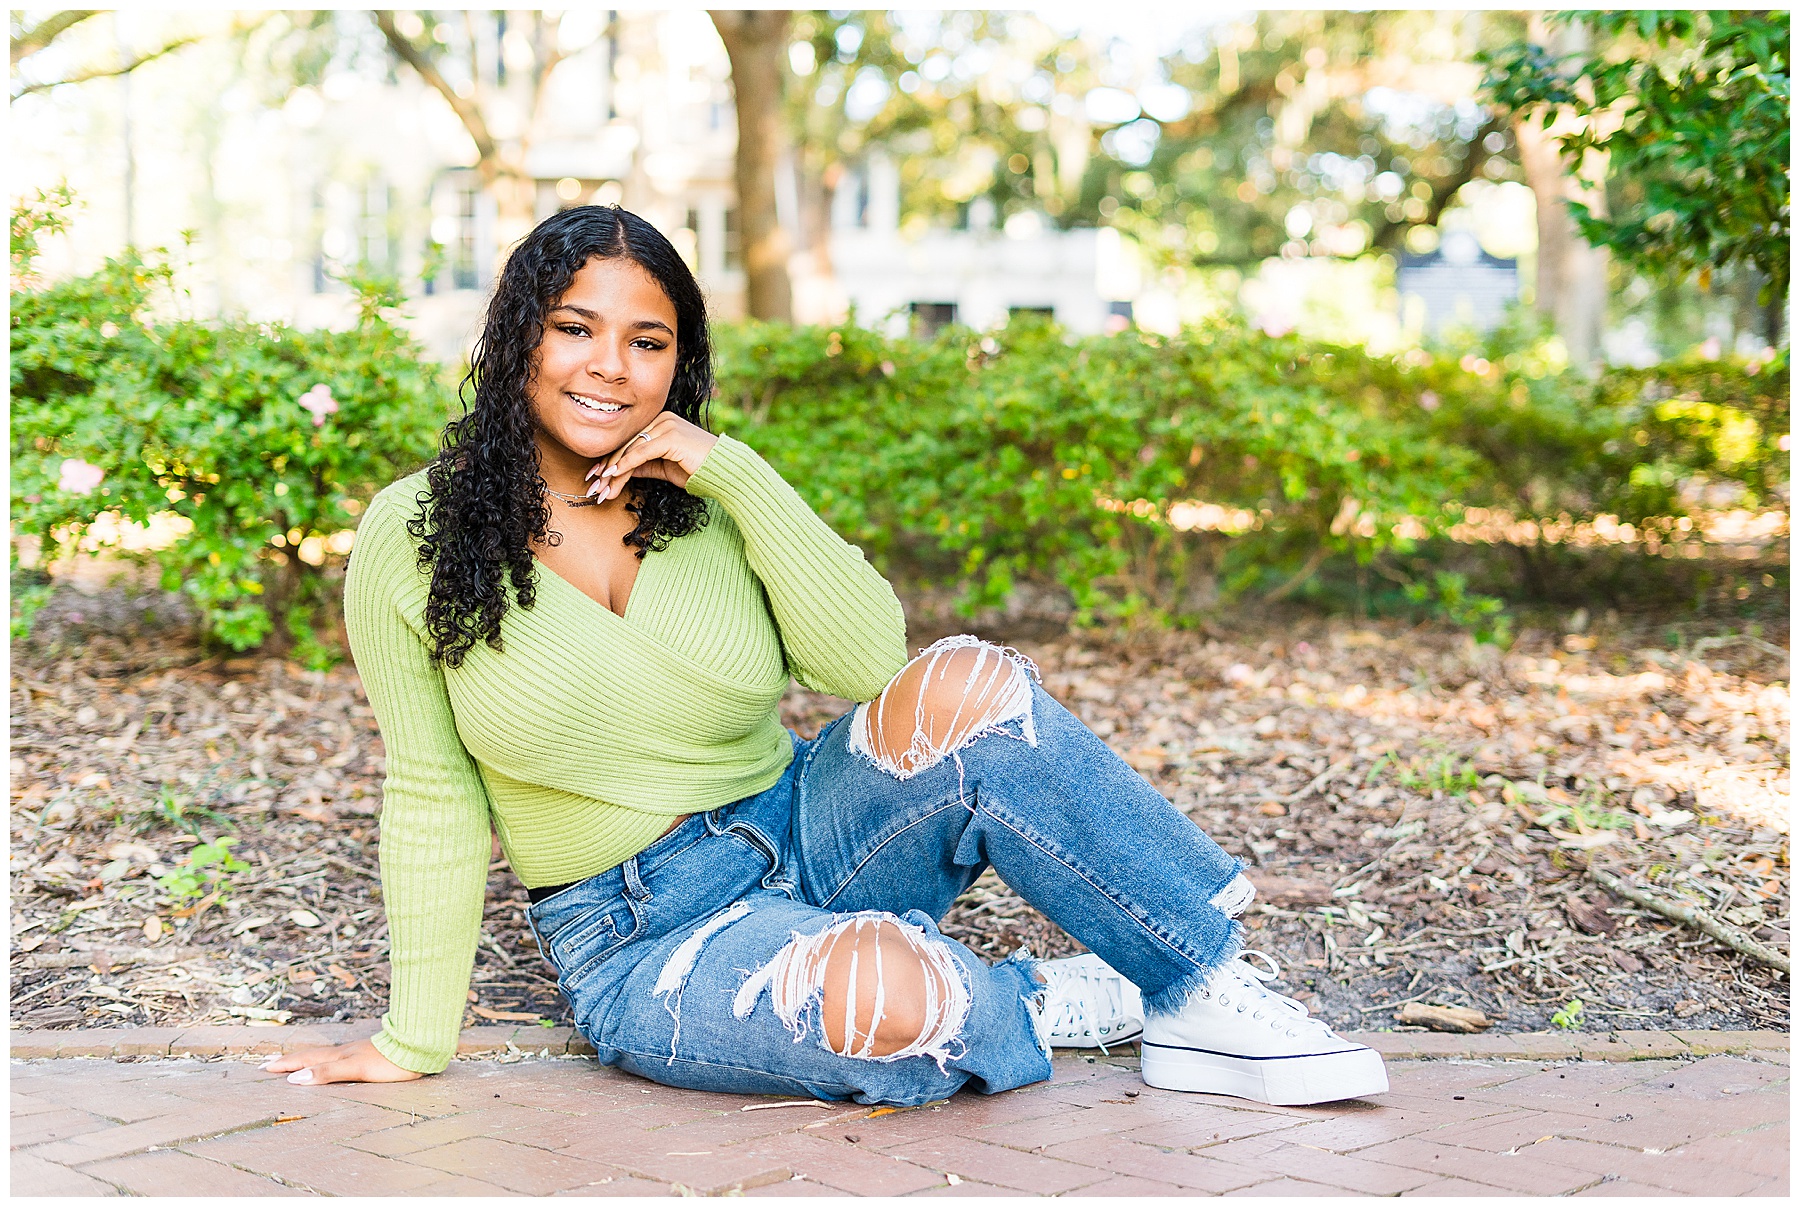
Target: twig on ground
{"points": [[353, 867], [1318, 781], [1695, 917]]}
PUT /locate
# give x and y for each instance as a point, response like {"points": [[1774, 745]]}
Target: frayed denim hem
{"points": [[1173, 996]]}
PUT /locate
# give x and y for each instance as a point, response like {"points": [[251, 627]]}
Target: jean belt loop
{"points": [[634, 884], [536, 935]]}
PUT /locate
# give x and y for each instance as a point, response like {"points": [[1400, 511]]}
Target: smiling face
{"points": [[603, 369]]}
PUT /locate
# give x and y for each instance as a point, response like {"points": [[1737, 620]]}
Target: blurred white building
{"points": [[978, 275], [368, 171], [642, 118], [645, 118]]}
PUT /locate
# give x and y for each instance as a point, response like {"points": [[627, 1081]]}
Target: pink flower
{"points": [[78, 477], [319, 401]]}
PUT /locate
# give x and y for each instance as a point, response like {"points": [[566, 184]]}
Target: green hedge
{"points": [[974, 461], [980, 461], [266, 439]]}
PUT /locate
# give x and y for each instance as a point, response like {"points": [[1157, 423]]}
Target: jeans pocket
{"points": [[580, 947]]}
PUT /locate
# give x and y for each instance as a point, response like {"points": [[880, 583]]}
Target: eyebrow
{"points": [[640, 325]]}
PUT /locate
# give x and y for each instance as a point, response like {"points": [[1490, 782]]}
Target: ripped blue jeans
{"points": [[701, 962]]}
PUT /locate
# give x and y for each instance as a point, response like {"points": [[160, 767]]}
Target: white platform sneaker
{"points": [[1088, 1004], [1239, 1038]]}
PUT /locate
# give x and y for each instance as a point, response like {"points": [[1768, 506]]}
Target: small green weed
{"points": [[1569, 1017], [1588, 812], [207, 868], [182, 813], [1444, 774]]}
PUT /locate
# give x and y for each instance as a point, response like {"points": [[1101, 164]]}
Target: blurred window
{"points": [[687, 238], [928, 318], [462, 248], [1047, 313], [374, 237], [734, 240]]}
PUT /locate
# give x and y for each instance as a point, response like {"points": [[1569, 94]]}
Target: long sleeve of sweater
{"points": [[841, 625], [434, 816]]}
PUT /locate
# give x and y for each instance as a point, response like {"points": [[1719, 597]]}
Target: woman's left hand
{"points": [[669, 448]]}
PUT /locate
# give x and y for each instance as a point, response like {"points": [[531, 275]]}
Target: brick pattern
{"points": [[164, 1114]]}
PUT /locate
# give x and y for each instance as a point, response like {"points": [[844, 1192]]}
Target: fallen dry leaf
{"points": [[1590, 916]]}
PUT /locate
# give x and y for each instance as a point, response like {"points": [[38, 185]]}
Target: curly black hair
{"points": [[486, 504]]}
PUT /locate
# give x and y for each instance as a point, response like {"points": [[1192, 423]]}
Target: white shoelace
{"points": [[1245, 987], [1074, 990]]}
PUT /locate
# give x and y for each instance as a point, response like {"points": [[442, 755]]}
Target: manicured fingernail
{"points": [[301, 1076], [593, 490]]}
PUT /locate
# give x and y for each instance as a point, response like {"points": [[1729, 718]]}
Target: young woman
{"points": [[575, 626]]}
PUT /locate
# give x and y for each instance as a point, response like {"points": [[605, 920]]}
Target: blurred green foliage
{"points": [[1143, 475], [266, 439], [980, 462], [1334, 114], [1691, 111]]}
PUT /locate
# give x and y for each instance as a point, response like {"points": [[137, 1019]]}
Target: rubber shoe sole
{"points": [[1276, 1080]]}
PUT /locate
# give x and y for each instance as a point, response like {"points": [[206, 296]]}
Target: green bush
{"points": [[267, 440], [981, 462], [985, 461], [1142, 474]]}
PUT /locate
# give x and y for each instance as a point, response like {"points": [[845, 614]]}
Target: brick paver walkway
{"points": [[1631, 1123]]}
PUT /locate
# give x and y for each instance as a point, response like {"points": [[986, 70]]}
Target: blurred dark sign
{"points": [[1458, 284]]}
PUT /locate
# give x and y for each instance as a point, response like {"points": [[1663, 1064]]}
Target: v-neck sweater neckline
{"points": [[550, 575]]}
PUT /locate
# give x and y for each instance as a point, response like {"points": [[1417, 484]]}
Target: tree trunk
{"points": [[818, 195], [1571, 275], [755, 41]]}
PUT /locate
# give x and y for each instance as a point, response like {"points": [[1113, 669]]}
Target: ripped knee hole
{"points": [[954, 691], [885, 989]]}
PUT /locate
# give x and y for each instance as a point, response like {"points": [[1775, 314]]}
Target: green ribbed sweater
{"points": [[589, 731]]}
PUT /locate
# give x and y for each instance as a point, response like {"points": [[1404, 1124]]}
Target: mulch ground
{"points": [[1415, 809]]}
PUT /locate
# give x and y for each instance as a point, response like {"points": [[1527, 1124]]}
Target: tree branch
{"points": [[1305, 572], [1693, 916], [47, 31], [1444, 190], [466, 110], [101, 73]]}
